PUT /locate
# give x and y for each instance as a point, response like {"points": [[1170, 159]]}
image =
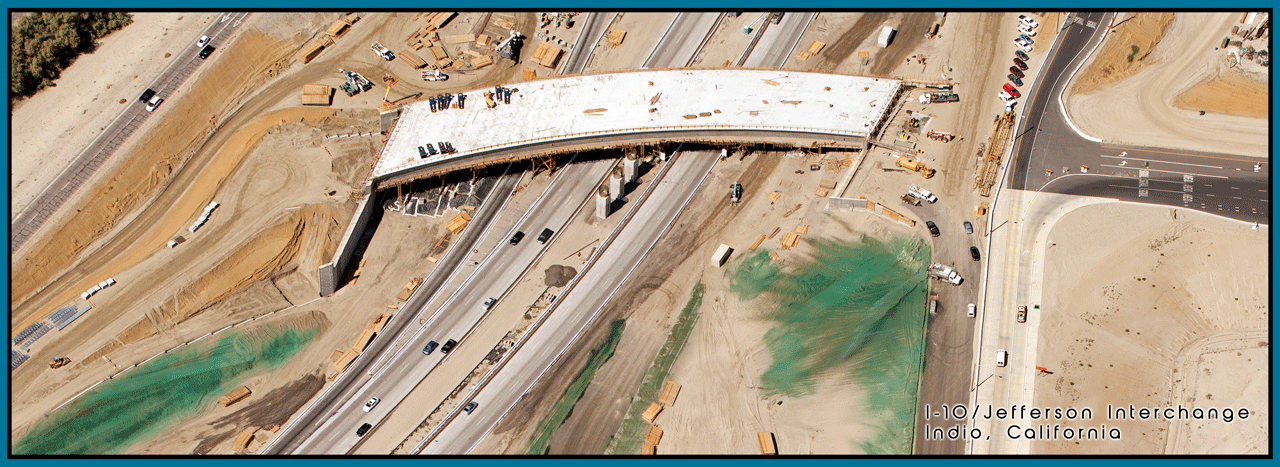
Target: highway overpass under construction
{"points": [[577, 113], [560, 115]]}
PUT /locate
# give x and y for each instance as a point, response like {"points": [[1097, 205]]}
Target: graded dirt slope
{"points": [[1180, 60]]}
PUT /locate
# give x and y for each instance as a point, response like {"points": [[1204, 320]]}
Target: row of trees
{"points": [[43, 44]]}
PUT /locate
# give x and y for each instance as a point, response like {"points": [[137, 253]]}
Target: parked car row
{"points": [[1027, 30]]}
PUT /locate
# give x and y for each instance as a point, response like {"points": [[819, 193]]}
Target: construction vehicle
{"points": [[360, 83], [434, 75], [944, 96], [510, 48], [488, 99], [383, 52], [945, 273], [940, 136], [906, 198], [59, 362], [349, 89], [922, 194], [735, 192], [915, 166]]}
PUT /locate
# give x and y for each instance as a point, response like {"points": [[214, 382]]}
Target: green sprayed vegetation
{"points": [[43, 44], [851, 306], [540, 442], [630, 434], [146, 400]]}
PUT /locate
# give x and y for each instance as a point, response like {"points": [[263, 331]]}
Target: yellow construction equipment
{"points": [[59, 362], [915, 166]]}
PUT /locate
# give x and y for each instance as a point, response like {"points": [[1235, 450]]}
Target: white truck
{"points": [[383, 52], [886, 36], [922, 194], [943, 272]]}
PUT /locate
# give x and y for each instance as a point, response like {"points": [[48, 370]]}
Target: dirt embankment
{"points": [[1125, 50], [1230, 93]]}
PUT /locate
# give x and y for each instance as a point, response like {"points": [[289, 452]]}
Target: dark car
{"points": [[1021, 64], [1016, 72], [470, 407], [448, 345], [1026, 38], [204, 53], [363, 429], [431, 347], [517, 237], [147, 95], [1022, 55], [973, 251], [1015, 80], [968, 228], [545, 235], [933, 228], [422, 152]]}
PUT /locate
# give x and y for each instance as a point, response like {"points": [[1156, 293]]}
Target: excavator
{"points": [[59, 362]]}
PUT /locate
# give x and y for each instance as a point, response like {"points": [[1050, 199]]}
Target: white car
{"points": [[1028, 30], [1002, 357], [153, 103], [1027, 20], [204, 40], [1006, 97], [973, 310], [1023, 45], [372, 402]]}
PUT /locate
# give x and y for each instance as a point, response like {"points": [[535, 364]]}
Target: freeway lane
{"points": [[777, 41], [1050, 148], [593, 29], [292, 436], [682, 40], [31, 218], [577, 308], [407, 367]]}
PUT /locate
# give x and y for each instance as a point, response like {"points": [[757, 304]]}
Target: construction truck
{"points": [[922, 194], [59, 362], [915, 166], [349, 89], [907, 198], [735, 192], [488, 99], [944, 96], [360, 83], [383, 52], [434, 75], [940, 136], [945, 273]]}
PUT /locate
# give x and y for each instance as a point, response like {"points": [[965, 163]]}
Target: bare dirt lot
{"points": [[1142, 312], [1176, 73]]}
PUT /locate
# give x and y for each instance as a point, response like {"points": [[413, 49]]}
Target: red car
{"points": [[1011, 90]]}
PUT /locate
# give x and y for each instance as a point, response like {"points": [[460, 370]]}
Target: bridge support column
{"points": [[616, 183], [631, 166], [602, 203]]}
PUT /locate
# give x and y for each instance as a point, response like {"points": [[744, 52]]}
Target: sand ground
{"points": [[1151, 318]]}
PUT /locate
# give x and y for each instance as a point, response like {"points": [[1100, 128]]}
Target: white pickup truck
{"points": [[922, 193], [943, 272]]}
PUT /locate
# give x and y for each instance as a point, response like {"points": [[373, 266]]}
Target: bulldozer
{"points": [[915, 166], [59, 362]]}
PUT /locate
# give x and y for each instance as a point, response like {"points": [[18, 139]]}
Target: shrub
{"points": [[43, 44]]}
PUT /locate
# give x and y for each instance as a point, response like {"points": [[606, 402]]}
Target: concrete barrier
{"points": [[331, 273]]}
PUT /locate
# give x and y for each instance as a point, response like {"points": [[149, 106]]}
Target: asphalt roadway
{"points": [[581, 303], [1050, 155], [777, 41], [407, 367], [593, 29], [291, 437], [104, 146], [684, 37]]}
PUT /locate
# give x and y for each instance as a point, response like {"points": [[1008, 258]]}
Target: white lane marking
{"points": [[1168, 171], [1166, 162]]}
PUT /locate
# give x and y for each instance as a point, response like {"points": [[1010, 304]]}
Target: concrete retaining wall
{"points": [[331, 273]]}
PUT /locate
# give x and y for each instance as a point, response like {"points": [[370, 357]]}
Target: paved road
{"points": [[682, 40], [592, 30], [1222, 184], [104, 146], [393, 381], [777, 41], [577, 308], [356, 376]]}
